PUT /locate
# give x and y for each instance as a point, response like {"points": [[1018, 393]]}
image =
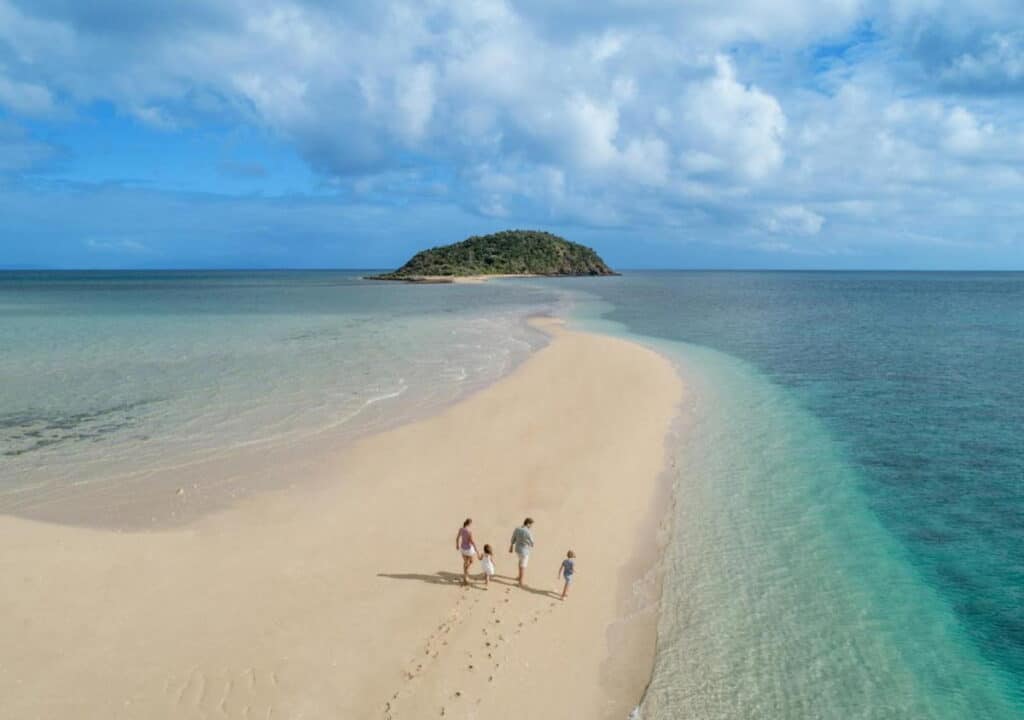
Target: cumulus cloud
{"points": [[733, 126], [998, 62], [737, 121], [964, 134]]}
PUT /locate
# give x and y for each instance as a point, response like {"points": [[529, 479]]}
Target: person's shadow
{"points": [[443, 577]]}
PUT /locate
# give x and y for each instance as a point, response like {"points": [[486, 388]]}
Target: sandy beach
{"points": [[340, 598], [455, 279]]}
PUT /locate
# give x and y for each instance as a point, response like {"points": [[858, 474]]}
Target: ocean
{"points": [[849, 522], [848, 527], [109, 378]]}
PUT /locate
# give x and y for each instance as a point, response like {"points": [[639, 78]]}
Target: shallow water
{"points": [[850, 516], [115, 375]]}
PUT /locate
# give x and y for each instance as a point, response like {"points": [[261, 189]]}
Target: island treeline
{"points": [[511, 252]]}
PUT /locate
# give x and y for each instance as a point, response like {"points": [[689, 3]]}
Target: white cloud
{"points": [[794, 220], [25, 98], [964, 134], [702, 116], [415, 99], [117, 245], [154, 117], [734, 125], [1000, 56]]}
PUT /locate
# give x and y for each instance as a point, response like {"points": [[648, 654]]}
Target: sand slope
{"points": [[340, 601]]}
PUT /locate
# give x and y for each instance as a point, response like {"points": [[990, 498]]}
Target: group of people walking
{"points": [[521, 544]]}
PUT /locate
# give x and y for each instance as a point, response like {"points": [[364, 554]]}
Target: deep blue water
{"points": [[917, 380]]}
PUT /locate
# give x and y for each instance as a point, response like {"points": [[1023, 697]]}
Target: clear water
{"points": [[106, 377], [849, 526]]}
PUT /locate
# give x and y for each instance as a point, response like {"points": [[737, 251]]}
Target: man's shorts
{"points": [[524, 559]]}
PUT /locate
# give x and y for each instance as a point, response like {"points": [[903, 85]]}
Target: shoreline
{"points": [[329, 600], [475, 279], [156, 499], [451, 279]]}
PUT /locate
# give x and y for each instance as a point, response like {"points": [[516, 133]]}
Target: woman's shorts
{"points": [[468, 552]]}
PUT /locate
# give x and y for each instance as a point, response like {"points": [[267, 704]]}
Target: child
{"points": [[487, 563], [566, 570]]}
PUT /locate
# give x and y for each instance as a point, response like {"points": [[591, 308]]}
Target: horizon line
{"points": [[235, 269]]}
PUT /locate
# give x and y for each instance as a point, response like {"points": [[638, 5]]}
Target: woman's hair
{"points": [[528, 521], [487, 549], [570, 554], [467, 522]]}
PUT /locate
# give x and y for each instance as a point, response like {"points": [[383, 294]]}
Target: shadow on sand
{"points": [[443, 577]]}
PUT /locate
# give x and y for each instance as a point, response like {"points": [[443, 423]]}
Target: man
{"points": [[522, 544]]}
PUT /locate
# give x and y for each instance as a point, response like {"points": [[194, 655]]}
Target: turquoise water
{"points": [[850, 492], [848, 535], [110, 377]]}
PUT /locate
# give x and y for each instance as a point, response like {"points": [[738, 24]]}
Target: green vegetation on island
{"points": [[511, 252]]}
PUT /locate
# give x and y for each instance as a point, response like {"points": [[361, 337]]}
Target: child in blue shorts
{"points": [[566, 570]]}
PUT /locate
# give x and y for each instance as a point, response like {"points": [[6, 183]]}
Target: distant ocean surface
{"points": [[848, 533]]}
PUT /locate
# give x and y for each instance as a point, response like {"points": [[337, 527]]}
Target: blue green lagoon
{"points": [[849, 520], [847, 531]]}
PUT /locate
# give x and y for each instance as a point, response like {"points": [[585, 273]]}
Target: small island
{"points": [[507, 254]]}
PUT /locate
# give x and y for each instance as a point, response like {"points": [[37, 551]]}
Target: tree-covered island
{"points": [[511, 252]]}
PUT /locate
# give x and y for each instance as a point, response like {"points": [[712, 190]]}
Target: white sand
{"points": [[338, 601]]}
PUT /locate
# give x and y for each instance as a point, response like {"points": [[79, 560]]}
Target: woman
{"points": [[466, 547]]}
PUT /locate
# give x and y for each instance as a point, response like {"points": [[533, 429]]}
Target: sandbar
{"points": [[339, 598]]}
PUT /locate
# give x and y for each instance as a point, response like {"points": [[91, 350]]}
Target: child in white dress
{"points": [[487, 564]]}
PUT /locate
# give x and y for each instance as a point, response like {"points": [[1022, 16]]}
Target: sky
{"points": [[796, 134]]}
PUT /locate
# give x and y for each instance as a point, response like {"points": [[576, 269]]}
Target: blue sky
{"points": [[753, 133]]}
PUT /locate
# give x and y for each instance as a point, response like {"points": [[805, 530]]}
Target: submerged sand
{"points": [[339, 599]]}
